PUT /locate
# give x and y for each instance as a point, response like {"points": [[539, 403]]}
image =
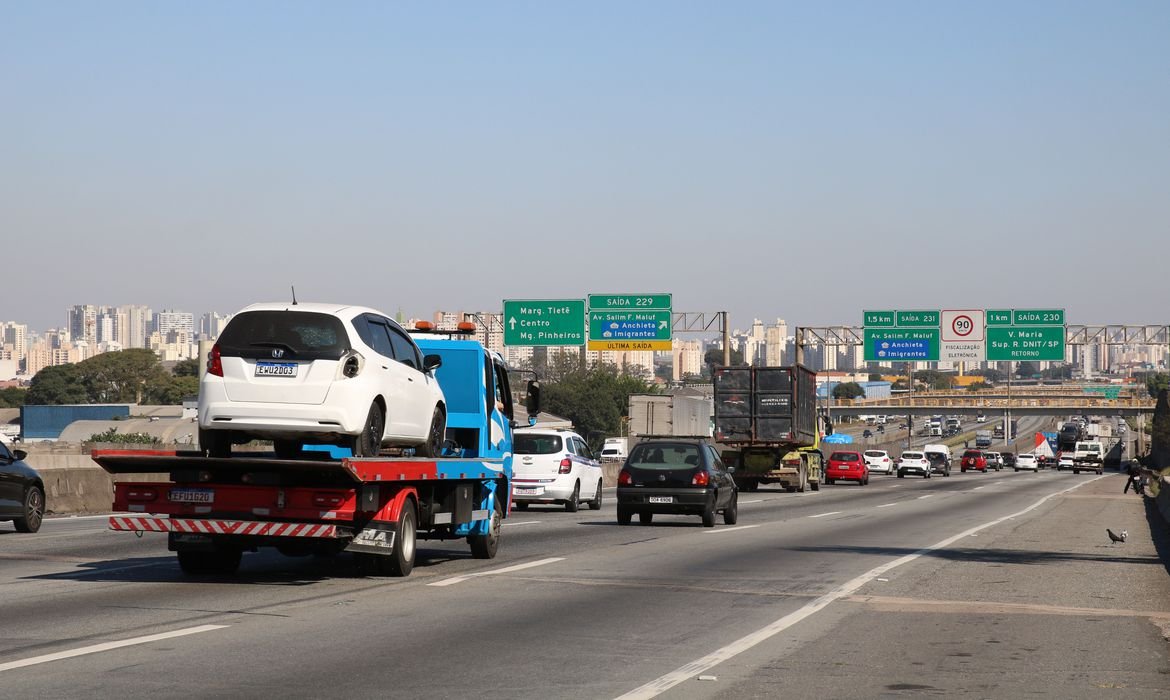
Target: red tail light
{"points": [[624, 478], [700, 479], [566, 466], [214, 364]]}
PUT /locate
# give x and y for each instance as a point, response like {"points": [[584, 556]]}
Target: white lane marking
{"points": [[978, 487], [65, 519], [660, 685], [886, 505], [526, 522], [929, 495], [507, 569], [729, 529], [107, 646], [758, 500], [893, 486], [821, 515]]}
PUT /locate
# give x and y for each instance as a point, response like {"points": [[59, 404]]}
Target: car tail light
{"points": [[141, 494], [624, 478], [328, 500], [351, 364], [700, 479], [566, 466], [214, 362]]}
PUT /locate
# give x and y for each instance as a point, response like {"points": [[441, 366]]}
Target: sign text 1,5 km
{"points": [[629, 302], [544, 322]]}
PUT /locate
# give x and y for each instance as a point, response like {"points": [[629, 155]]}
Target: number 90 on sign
{"points": [[962, 325]]}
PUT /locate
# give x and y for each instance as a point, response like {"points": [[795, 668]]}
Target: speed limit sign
{"points": [[961, 325]]}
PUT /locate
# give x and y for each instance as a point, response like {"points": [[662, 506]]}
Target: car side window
{"points": [[583, 448], [714, 460], [4, 453], [571, 445], [380, 338], [405, 351]]}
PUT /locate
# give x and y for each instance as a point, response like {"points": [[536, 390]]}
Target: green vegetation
{"points": [[594, 400], [1155, 382], [12, 397], [848, 390], [128, 376], [976, 386], [1160, 433], [113, 436], [934, 379]]}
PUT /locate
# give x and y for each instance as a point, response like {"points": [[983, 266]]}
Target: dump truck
{"points": [[213, 509], [766, 420]]}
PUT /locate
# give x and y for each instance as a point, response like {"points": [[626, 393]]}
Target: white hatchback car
{"points": [[301, 374], [1027, 461], [914, 463], [554, 466], [879, 461]]}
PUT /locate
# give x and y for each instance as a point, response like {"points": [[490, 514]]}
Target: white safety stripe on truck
{"points": [[221, 527]]}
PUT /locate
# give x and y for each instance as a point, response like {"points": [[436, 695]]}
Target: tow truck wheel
{"points": [[400, 562], [220, 561], [436, 435], [595, 504], [485, 546], [369, 441], [215, 443], [815, 485]]}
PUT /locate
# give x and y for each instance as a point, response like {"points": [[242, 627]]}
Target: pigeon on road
{"points": [[1114, 537]]}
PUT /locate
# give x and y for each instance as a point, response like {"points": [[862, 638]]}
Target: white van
{"points": [[939, 457]]}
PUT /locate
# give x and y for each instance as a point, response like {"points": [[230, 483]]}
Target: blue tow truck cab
{"points": [[214, 509]]}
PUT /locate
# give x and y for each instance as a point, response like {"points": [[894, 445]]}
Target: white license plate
{"points": [[191, 496], [661, 499], [525, 491], [276, 369]]}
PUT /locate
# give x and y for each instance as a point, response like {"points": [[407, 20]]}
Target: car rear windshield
{"points": [[912, 455], [972, 453], [844, 457], [665, 456], [874, 453], [536, 444], [291, 335]]}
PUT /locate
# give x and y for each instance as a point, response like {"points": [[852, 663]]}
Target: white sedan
{"points": [[879, 461], [1027, 461]]}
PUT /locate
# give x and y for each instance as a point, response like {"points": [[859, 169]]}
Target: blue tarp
{"points": [[838, 438]]}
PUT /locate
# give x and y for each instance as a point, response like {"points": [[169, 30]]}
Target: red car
{"points": [[973, 459], [847, 465]]}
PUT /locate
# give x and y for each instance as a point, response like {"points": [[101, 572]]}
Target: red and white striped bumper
{"points": [[220, 527]]}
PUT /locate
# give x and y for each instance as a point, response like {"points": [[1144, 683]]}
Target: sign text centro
{"points": [[544, 322]]}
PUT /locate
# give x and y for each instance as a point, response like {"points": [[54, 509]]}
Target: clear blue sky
{"points": [[772, 159]]}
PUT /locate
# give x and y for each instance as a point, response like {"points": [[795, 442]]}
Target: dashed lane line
{"points": [[107, 646], [507, 569]]}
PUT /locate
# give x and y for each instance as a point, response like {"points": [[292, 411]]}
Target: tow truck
{"points": [[325, 503]]}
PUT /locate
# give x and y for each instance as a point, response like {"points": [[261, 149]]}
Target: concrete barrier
{"points": [[74, 484]]}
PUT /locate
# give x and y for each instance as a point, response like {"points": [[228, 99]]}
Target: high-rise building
{"points": [[82, 323], [776, 343], [211, 324], [137, 325], [169, 321], [688, 359], [15, 335]]}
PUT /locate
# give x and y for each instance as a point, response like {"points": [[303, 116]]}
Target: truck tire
{"points": [[369, 442], [220, 561], [731, 512], [789, 489], [1076, 471], [595, 504], [815, 485], [574, 503], [33, 511], [215, 443], [400, 562], [751, 485], [624, 515], [436, 435], [485, 546]]}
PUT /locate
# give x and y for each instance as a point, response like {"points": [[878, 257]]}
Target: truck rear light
{"points": [[214, 362], [328, 500], [141, 495], [624, 478], [566, 466], [700, 479]]}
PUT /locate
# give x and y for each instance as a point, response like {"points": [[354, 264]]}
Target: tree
{"points": [[1156, 382], [934, 379], [121, 377], [171, 391], [875, 377], [12, 397], [976, 386], [848, 390], [714, 358], [186, 368], [991, 375], [594, 400], [1026, 369], [56, 385]]}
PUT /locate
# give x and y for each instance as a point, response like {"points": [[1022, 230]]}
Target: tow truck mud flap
{"points": [[181, 541], [376, 538]]}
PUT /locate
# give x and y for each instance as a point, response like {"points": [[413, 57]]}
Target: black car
{"points": [[1009, 459], [683, 477], [22, 493]]}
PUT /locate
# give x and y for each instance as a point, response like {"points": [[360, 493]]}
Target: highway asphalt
{"points": [[988, 585]]}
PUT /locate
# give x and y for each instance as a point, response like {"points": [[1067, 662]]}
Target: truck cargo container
{"points": [[669, 415]]}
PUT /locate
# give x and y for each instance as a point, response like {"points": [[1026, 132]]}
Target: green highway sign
{"points": [[999, 317], [1038, 317], [901, 344], [629, 302], [544, 322], [917, 319], [629, 330], [880, 319], [1019, 343]]}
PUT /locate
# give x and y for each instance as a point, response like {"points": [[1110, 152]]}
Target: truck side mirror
{"points": [[532, 401]]}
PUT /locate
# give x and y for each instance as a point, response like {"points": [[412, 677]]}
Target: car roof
{"points": [[530, 430], [312, 307]]}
